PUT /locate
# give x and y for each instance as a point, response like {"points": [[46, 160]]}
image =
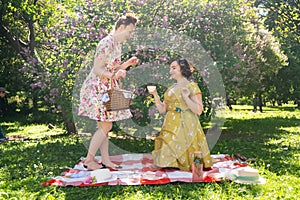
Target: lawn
{"points": [[40, 151]]}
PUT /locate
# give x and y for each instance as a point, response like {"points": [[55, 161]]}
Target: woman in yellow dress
{"points": [[181, 134]]}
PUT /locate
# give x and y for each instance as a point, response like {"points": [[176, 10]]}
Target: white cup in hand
{"points": [[151, 88]]}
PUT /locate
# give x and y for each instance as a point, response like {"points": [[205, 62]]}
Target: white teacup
{"points": [[151, 88]]}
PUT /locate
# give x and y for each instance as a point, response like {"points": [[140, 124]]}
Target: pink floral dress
{"points": [[94, 87]]}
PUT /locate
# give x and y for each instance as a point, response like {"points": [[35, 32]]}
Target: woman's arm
{"points": [[100, 70], [161, 106], [194, 102], [131, 61], [105, 47]]}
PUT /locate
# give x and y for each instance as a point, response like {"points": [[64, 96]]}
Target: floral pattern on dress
{"points": [[94, 87], [181, 134]]}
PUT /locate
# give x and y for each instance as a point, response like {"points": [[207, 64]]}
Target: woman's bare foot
{"points": [[92, 165]]}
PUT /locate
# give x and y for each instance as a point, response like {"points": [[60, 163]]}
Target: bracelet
{"points": [[104, 72], [113, 74], [101, 74]]}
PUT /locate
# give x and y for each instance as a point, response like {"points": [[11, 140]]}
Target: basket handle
{"points": [[116, 83]]}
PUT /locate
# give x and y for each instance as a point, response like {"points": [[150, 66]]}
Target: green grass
{"points": [[272, 138]]}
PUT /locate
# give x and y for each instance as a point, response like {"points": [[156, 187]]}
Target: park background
{"points": [[255, 45]]}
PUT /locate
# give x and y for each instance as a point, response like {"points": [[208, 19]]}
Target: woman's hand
{"points": [[161, 106], [185, 93], [154, 92], [132, 61], [193, 102], [152, 89], [121, 73]]}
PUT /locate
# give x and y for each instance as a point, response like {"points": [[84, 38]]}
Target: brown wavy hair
{"points": [[127, 19], [186, 68]]}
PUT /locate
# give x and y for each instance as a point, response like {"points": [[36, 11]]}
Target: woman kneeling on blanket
{"points": [[181, 134]]}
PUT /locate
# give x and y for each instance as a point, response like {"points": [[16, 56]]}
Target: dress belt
{"points": [[179, 110]]}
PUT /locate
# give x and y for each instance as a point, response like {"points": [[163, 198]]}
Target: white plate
{"points": [[218, 156], [112, 178]]}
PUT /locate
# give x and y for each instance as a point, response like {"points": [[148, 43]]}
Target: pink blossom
{"points": [[138, 115], [54, 92], [65, 62], [139, 91], [141, 2], [152, 111], [165, 21], [51, 100], [24, 69], [89, 25], [238, 66], [234, 79], [33, 85]]}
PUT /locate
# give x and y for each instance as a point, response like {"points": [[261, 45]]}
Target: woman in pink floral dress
{"points": [[106, 70]]}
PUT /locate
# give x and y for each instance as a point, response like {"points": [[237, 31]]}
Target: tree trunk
{"points": [[273, 103], [69, 123], [298, 103], [254, 102], [70, 126], [260, 102]]}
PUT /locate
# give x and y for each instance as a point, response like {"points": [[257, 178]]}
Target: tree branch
{"points": [[15, 43]]}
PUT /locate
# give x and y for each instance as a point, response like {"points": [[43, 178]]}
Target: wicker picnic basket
{"points": [[119, 99]]}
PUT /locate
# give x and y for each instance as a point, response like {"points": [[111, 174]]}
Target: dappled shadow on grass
{"points": [[22, 138], [37, 160], [7, 129], [265, 127], [262, 139], [37, 117], [33, 160], [285, 108], [288, 108], [133, 145]]}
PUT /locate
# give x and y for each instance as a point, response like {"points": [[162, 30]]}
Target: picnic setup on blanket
{"points": [[138, 169]]}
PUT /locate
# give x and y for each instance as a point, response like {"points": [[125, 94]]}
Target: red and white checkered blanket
{"points": [[138, 169]]}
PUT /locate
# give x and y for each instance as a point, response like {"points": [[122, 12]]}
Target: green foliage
{"points": [[55, 41], [282, 19]]}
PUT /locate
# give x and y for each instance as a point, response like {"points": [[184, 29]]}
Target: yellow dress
{"points": [[181, 134]]}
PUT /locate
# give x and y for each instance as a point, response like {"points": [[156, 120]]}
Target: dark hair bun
{"points": [[127, 19], [185, 67]]}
